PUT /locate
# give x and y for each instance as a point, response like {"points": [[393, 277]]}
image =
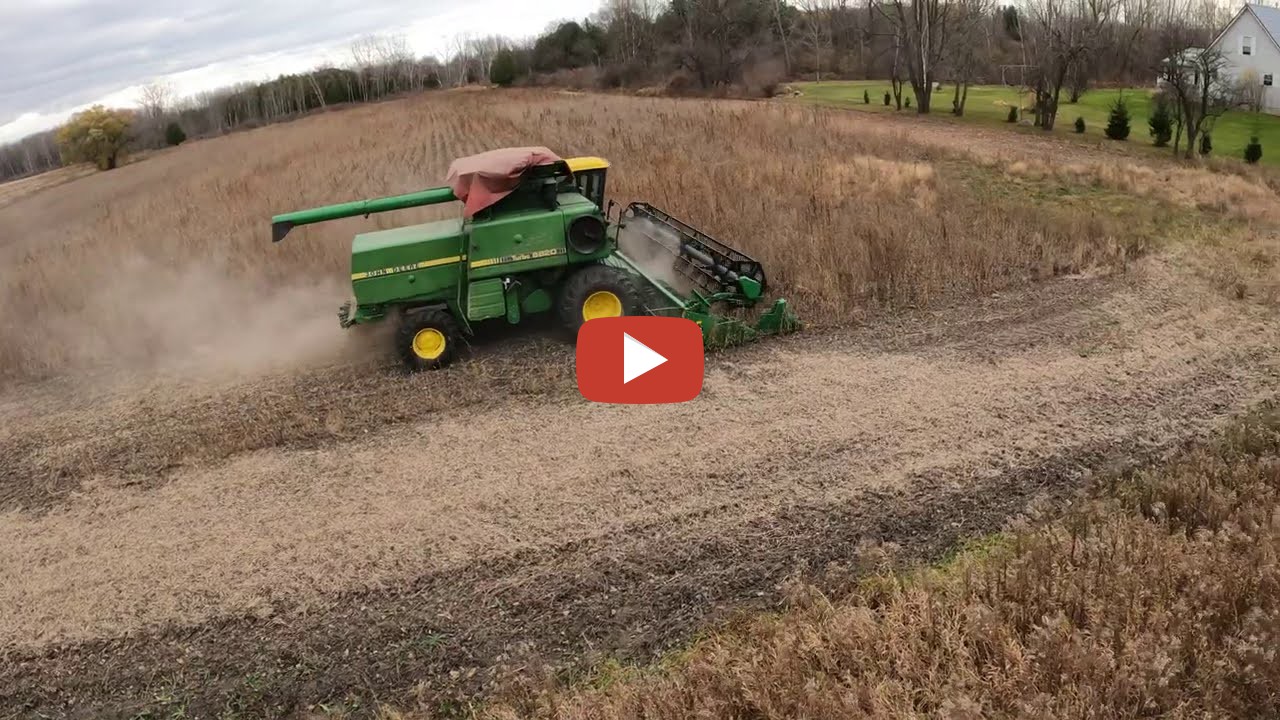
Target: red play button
{"points": [[640, 360]]}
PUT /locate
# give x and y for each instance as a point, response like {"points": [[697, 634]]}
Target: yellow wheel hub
{"points": [[601, 304], [428, 343]]}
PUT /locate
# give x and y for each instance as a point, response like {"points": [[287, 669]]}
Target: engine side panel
{"points": [[409, 263]]}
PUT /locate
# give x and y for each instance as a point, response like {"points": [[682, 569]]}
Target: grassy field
{"points": [[216, 503], [989, 105]]}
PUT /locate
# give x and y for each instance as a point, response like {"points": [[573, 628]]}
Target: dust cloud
{"points": [[195, 322], [656, 250]]}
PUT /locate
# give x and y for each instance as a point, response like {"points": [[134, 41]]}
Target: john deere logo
{"points": [[407, 268]]}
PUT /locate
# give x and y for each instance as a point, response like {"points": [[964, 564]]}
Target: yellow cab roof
{"points": [[580, 164]]}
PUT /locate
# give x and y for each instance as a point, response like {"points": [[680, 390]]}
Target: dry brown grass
{"points": [[1191, 187], [1159, 597], [1242, 266], [167, 263], [15, 190]]}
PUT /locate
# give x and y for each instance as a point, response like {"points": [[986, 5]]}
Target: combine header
{"points": [[536, 236], [707, 274]]}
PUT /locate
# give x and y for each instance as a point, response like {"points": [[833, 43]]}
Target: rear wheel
{"points": [[427, 340], [596, 291]]}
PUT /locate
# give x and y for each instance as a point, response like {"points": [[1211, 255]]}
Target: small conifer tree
{"points": [[1118, 121], [1253, 151], [1161, 122], [174, 135]]}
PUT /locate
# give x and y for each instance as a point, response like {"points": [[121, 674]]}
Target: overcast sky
{"points": [[61, 55]]}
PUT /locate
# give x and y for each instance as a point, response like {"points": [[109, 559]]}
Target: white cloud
{"points": [[68, 74], [28, 123], [34, 122]]}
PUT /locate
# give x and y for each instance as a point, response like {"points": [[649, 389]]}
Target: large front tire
{"points": [[427, 340], [596, 291]]}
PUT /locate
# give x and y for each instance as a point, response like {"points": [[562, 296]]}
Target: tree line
{"points": [[1054, 49]]}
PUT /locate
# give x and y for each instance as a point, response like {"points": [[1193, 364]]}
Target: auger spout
{"points": [[282, 224]]}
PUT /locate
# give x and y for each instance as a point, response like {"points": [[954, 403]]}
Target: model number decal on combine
{"points": [[406, 268], [518, 258]]}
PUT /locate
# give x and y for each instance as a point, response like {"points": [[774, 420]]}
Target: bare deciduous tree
{"points": [[784, 34], [1249, 90], [30, 155], [970, 44], [817, 24], [895, 75], [483, 50], [1193, 79], [362, 59], [1136, 17], [629, 24], [1059, 35], [459, 59], [921, 36], [155, 98]]}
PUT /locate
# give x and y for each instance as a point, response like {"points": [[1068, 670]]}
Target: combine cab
{"points": [[535, 237]]}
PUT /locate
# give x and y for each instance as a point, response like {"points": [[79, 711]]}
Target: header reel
{"points": [[708, 264], [705, 274]]}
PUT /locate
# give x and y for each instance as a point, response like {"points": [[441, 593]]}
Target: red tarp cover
{"points": [[482, 180]]}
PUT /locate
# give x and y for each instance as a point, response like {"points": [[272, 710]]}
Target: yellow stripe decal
{"points": [[408, 268], [486, 262]]}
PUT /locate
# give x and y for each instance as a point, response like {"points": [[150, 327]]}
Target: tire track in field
{"points": [[815, 421]]}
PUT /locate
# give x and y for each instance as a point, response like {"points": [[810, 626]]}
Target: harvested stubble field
{"points": [[215, 502], [1156, 596]]}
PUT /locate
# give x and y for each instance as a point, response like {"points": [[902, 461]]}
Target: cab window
{"points": [[591, 184]]}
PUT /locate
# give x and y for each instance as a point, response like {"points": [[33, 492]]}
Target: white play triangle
{"points": [[637, 359]]}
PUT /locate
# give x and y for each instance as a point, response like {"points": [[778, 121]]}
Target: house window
{"points": [[1266, 79], [1246, 45]]}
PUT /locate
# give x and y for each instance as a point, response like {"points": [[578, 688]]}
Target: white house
{"points": [[1185, 60], [1251, 41]]}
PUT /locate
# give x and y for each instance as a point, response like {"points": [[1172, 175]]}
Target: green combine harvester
{"points": [[536, 236]]}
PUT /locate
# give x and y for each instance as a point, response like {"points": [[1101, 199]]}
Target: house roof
{"points": [[1189, 54], [1268, 17]]}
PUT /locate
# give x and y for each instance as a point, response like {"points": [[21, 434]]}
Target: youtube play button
{"points": [[640, 360], [637, 358]]}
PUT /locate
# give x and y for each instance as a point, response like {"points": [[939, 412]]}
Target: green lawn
{"points": [[989, 104]]}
